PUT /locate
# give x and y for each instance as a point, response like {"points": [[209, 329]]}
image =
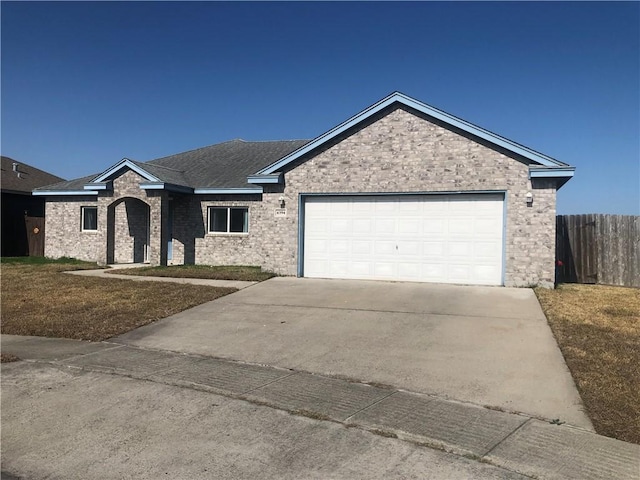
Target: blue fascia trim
{"points": [[125, 163], [301, 215], [227, 191], [396, 194], [166, 186], [398, 97], [504, 238], [551, 172], [98, 186], [63, 192], [262, 179]]}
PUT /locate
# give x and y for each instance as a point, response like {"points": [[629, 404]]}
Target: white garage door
{"points": [[423, 238]]}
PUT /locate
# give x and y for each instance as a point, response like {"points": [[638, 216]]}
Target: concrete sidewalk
{"points": [[517, 443], [140, 278]]}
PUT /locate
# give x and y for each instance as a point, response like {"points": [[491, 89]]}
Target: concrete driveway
{"points": [[485, 345]]}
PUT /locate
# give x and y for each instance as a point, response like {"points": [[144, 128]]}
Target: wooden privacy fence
{"points": [[596, 248]]}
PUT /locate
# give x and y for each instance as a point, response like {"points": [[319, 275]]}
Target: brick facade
{"points": [[403, 152], [398, 152], [64, 235]]}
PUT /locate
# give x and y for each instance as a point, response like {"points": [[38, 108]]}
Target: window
{"points": [[89, 219], [228, 219]]}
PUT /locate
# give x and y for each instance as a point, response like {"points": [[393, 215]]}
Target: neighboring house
{"points": [[400, 191], [19, 207]]}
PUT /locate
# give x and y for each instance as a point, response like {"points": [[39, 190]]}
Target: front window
{"points": [[228, 219], [89, 219]]}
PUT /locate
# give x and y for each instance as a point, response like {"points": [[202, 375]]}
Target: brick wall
{"points": [[402, 152], [63, 235]]}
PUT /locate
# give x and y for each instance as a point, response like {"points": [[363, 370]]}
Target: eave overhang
{"points": [[98, 186], [265, 179], [43, 193], [169, 187], [227, 191], [560, 174]]}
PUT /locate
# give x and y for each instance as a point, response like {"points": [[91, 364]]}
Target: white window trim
{"points": [[82, 210], [209, 232]]}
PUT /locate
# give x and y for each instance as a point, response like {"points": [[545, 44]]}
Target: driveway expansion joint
{"points": [[346, 420], [346, 309], [501, 441]]}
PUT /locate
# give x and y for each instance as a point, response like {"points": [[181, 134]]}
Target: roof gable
{"points": [[124, 164], [543, 163]]}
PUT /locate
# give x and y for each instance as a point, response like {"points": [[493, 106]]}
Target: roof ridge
{"points": [[275, 141]]}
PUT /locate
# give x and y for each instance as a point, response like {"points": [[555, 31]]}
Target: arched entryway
{"points": [[128, 231]]}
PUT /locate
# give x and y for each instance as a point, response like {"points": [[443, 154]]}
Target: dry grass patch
{"points": [[38, 299], [598, 330], [8, 357], [209, 272]]}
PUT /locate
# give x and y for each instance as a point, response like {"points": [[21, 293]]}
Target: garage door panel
{"points": [[385, 248], [384, 269], [410, 208], [409, 248], [433, 272], [385, 226], [434, 206], [484, 274], [461, 226], [409, 271], [384, 206], [317, 226], [361, 269], [362, 247], [339, 247], [338, 267], [461, 249], [408, 225], [318, 246], [486, 226], [339, 226], [434, 248], [487, 250], [432, 238], [363, 206], [434, 225], [460, 273], [362, 226]]}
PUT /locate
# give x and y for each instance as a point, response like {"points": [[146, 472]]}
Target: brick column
{"points": [[158, 227], [104, 200]]}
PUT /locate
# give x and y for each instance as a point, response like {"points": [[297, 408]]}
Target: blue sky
{"points": [[86, 84]]}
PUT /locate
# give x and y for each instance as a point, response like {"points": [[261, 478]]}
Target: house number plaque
{"points": [[280, 212]]}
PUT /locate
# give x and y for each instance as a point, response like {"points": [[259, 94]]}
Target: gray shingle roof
{"points": [[70, 185], [29, 178], [223, 165]]}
